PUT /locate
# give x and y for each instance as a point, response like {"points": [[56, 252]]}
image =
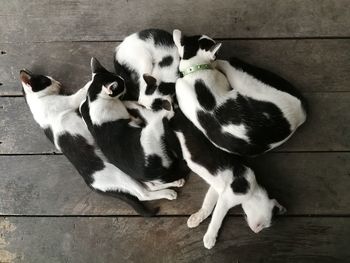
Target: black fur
{"points": [[166, 88], [160, 37], [121, 144], [264, 121], [81, 154], [157, 105], [166, 61], [193, 43], [205, 98], [204, 153]]}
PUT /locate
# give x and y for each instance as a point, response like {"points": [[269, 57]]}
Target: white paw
{"points": [[209, 241], [170, 194], [180, 183], [195, 219]]}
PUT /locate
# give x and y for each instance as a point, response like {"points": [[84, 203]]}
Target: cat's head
{"points": [[259, 210], [38, 85], [157, 96], [104, 83], [199, 48]]}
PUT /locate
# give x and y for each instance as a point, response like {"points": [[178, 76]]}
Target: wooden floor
{"points": [[47, 212]]}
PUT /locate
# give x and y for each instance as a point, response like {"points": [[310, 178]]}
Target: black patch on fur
{"points": [[166, 61], [240, 185], [157, 105], [81, 154], [203, 152], [150, 89], [192, 44], [166, 88], [204, 96], [39, 82], [268, 78], [49, 134], [160, 37]]}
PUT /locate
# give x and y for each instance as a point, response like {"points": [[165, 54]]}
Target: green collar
{"points": [[195, 68]]}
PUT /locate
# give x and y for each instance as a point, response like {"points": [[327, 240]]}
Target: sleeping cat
{"points": [[231, 182], [141, 152], [153, 52], [240, 108], [58, 115]]}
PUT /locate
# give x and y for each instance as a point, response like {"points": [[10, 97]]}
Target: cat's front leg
{"points": [[207, 207], [76, 99], [219, 214]]}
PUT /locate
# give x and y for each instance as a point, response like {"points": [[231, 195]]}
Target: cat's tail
{"points": [[135, 203]]}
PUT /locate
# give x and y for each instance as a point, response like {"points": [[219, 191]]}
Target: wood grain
{"points": [[327, 127], [47, 21], [311, 65], [306, 183], [169, 240]]}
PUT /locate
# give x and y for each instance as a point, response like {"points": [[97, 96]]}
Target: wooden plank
{"points": [[21, 21], [311, 65], [169, 240], [306, 183], [325, 130]]}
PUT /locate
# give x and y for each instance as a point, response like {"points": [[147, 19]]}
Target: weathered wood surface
{"points": [[38, 21], [306, 183], [327, 128], [41, 240], [311, 65]]}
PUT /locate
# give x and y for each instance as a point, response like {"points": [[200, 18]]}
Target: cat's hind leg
{"points": [[159, 185], [112, 179], [207, 207]]}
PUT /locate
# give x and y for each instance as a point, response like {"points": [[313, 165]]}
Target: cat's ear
{"points": [[177, 35], [96, 66], [150, 80], [213, 50], [166, 105], [25, 76], [278, 208]]}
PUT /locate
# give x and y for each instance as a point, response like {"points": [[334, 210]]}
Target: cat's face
{"points": [[157, 97], [259, 211], [105, 83], [38, 85], [195, 46]]}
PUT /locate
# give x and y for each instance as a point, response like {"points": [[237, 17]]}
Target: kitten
{"points": [[58, 115], [141, 152], [153, 52], [240, 108], [231, 182]]}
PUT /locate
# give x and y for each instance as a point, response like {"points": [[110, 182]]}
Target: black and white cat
{"points": [[231, 182], [141, 152], [240, 108], [58, 115], [153, 52]]}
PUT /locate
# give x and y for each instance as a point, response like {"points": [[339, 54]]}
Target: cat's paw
{"points": [[180, 183], [170, 194], [209, 241], [195, 219]]}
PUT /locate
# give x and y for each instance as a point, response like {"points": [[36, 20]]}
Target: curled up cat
{"points": [[135, 144]]}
